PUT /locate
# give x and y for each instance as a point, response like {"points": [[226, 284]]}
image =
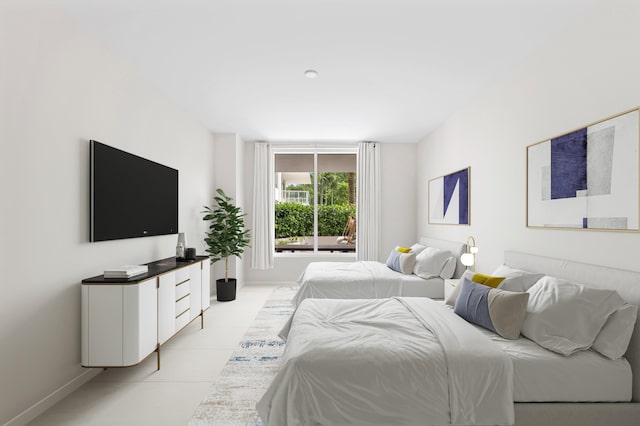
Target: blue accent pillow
{"points": [[401, 262], [500, 311]]}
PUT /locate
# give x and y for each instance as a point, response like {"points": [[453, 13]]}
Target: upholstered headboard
{"points": [[626, 283], [454, 247]]}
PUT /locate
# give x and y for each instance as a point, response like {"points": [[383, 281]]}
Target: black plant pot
{"points": [[226, 290]]}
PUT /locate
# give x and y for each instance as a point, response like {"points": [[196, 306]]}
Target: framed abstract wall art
{"points": [[587, 178], [449, 199]]}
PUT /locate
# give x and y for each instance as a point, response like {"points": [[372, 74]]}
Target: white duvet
{"points": [[400, 361], [348, 280]]}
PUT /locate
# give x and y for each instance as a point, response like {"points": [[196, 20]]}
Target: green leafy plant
{"points": [[293, 219], [227, 235]]}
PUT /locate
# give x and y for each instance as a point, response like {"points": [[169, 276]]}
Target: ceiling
{"points": [[389, 70]]}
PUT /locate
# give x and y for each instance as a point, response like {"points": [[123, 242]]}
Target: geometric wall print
{"points": [[587, 178], [449, 198]]}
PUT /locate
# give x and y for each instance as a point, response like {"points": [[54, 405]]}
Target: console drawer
{"points": [[182, 305], [183, 289], [182, 275], [182, 320]]}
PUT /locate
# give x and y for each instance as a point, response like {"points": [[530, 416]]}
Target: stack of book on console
{"points": [[126, 271]]}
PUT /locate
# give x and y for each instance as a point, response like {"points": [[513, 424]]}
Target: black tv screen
{"points": [[130, 195]]}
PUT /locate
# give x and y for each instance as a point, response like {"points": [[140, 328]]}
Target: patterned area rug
{"points": [[232, 399]]}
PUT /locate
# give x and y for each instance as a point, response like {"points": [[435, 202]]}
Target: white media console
{"points": [[126, 320]]}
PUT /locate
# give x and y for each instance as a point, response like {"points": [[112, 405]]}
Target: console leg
{"points": [[158, 352], [201, 320]]}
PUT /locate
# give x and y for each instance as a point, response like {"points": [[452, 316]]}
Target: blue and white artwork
{"points": [[588, 178], [449, 198]]}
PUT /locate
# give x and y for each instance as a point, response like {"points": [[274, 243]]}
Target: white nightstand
{"points": [[449, 285]]}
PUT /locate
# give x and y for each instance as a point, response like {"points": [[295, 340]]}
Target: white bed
{"points": [[373, 362], [544, 376], [547, 388], [370, 280], [627, 284]]}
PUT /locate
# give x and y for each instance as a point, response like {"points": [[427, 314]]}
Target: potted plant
{"points": [[226, 237]]}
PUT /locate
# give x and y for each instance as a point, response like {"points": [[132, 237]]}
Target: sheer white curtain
{"points": [[368, 194], [263, 225]]}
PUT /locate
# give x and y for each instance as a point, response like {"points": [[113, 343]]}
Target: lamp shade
{"points": [[467, 259]]}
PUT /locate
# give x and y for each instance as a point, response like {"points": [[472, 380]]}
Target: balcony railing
{"points": [[300, 197]]}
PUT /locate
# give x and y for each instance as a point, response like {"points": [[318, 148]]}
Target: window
{"points": [[315, 200]]}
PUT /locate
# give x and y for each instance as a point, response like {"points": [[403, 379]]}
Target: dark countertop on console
{"points": [[155, 268]]}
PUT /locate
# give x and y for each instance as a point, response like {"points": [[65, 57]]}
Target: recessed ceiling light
{"points": [[311, 73]]}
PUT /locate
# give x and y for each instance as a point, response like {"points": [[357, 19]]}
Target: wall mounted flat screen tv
{"points": [[130, 195]]}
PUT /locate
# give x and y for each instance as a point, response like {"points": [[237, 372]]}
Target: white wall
{"points": [[59, 88], [229, 175], [240, 201], [397, 171], [587, 73], [398, 207]]}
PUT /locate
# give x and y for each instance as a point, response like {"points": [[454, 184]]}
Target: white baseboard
{"points": [[53, 398]]}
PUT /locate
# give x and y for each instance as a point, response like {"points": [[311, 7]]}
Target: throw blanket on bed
{"points": [[347, 280], [400, 361]]}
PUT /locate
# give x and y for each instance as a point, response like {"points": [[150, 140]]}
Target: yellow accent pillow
{"points": [[487, 280], [403, 249]]}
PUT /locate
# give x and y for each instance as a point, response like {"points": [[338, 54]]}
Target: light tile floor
{"points": [[190, 362]]}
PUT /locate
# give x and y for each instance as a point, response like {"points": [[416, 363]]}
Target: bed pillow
{"points": [[487, 280], [401, 262], [417, 248], [613, 340], [448, 269], [500, 311], [516, 279], [431, 262], [566, 317]]}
